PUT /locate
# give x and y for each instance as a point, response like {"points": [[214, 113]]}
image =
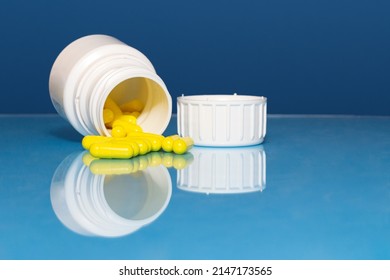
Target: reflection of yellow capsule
{"points": [[154, 158], [182, 161], [111, 105], [111, 149], [92, 139], [88, 158], [133, 105], [108, 116], [111, 167], [179, 163], [143, 163], [167, 160], [182, 145], [135, 163], [167, 143], [140, 163]]}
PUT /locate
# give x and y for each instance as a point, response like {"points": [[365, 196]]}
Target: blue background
{"points": [[306, 56]]}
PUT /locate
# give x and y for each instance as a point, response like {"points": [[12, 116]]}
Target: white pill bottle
{"points": [[94, 67]]}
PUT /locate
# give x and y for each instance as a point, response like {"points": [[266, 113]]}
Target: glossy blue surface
{"points": [[318, 188]]}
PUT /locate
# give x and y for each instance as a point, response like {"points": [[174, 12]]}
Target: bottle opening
{"points": [[145, 99]]}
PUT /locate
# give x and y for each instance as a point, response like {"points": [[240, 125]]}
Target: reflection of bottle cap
{"points": [[225, 170], [222, 120], [108, 205]]}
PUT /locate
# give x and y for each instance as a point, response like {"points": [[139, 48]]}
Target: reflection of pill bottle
{"points": [[94, 67], [108, 205]]}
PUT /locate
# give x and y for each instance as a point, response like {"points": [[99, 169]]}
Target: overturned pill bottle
{"points": [[97, 71]]}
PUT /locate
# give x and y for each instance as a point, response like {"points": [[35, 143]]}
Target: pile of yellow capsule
{"points": [[128, 139], [112, 111]]}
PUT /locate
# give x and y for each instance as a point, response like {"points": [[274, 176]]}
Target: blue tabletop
{"points": [[317, 188]]}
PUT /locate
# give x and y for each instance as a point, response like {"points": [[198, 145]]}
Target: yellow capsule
{"points": [[135, 147], [92, 139], [167, 160], [167, 143], [88, 158], [156, 144], [144, 139], [154, 139], [182, 161], [129, 127], [128, 118], [119, 122], [111, 167], [182, 145], [139, 147], [112, 149], [136, 128], [118, 132], [108, 116], [133, 105], [110, 104], [147, 135], [135, 114], [143, 144]]}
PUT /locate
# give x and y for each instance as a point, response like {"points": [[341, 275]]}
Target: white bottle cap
{"points": [[222, 120]]}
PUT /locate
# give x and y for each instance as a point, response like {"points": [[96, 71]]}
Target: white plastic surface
{"points": [[90, 68], [222, 120], [224, 170]]}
